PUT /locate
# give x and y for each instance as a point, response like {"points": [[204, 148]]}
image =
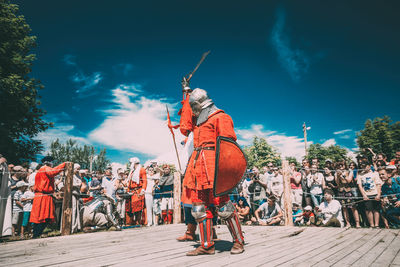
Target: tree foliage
{"points": [[21, 116], [292, 160], [71, 151], [381, 135], [334, 152], [260, 153]]}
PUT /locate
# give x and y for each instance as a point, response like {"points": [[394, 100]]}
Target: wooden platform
{"points": [[266, 246]]}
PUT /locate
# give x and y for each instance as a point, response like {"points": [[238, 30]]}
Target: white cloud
{"points": [[294, 60], [329, 142], [137, 123], [343, 131], [61, 131], [345, 134], [84, 82], [286, 145]]}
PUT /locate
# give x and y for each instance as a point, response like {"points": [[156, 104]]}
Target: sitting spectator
{"points": [[297, 214], [315, 181], [369, 184], [18, 207], [269, 213], [391, 196], [27, 199], [329, 212], [308, 215], [243, 210]]}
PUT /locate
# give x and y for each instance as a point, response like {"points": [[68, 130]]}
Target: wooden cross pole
{"points": [[66, 220], [177, 198], [287, 194]]}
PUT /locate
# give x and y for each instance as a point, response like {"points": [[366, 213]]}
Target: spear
{"points": [[170, 126]]}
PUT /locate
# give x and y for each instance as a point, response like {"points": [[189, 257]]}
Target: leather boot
{"points": [[190, 234], [237, 248], [201, 251]]}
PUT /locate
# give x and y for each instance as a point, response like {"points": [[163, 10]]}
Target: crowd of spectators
{"points": [[341, 194], [365, 193], [137, 196]]}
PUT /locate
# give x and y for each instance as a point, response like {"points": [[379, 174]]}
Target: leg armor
{"points": [[228, 213], [109, 213], [205, 225]]}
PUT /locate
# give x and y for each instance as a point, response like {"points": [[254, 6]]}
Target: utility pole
{"points": [[305, 129]]}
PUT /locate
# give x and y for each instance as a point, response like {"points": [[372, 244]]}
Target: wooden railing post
{"points": [[66, 221], [287, 194], [177, 198]]}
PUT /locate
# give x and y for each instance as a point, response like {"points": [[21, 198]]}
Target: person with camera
{"points": [[258, 188], [390, 196]]}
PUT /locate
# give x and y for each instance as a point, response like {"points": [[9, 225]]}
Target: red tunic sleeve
{"points": [[51, 172], [224, 126], [186, 122]]}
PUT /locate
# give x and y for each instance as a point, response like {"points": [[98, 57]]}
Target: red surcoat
{"points": [[200, 172], [43, 205]]}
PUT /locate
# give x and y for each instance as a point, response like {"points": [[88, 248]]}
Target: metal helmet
{"points": [[199, 100]]}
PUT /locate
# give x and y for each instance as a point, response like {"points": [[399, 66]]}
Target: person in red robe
{"points": [[137, 183], [209, 123], [43, 206]]}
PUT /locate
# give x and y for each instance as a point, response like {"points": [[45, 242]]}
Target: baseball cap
{"points": [[308, 208], [21, 184]]}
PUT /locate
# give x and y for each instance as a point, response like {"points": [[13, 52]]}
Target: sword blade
{"points": [[203, 57]]}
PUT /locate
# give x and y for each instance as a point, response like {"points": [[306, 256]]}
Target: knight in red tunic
{"points": [[209, 123], [43, 205], [136, 186]]}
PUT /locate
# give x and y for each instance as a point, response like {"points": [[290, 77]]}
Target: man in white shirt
{"points": [[330, 210], [108, 184]]}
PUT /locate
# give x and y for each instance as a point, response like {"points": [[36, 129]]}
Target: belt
{"points": [[199, 149], [204, 148]]}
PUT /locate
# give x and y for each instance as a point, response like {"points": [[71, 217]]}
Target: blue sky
{"points": [[109, 68]]}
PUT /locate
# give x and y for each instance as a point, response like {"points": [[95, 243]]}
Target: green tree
{"points": [[71, 151], [292, 160], [260, 153], [381, 135], [334, 152], [21, 118]]}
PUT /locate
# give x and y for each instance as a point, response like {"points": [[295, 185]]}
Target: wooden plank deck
{"points": [[266, 246]]}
